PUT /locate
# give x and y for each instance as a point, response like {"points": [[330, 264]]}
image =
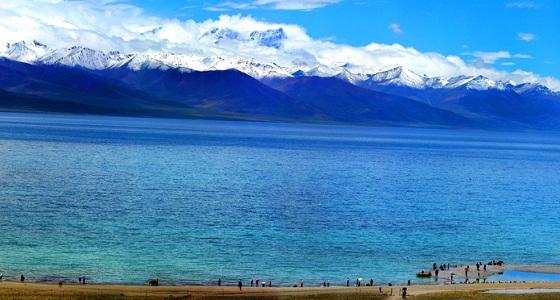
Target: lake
{"points": [[122, 200]]}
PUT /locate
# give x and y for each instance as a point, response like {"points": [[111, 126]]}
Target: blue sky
{"points": [[500, 39], [508, 35]]}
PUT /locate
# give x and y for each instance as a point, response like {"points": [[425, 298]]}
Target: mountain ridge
{"points": [[172, 85]]}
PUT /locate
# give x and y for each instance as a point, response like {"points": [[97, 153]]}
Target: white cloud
{"points": [[273, 4], [508, 63], [523, 4], [295, 4], [525, 56], [489, 57], [526, 36], [492, 57], [114, 25], [396, 28]]}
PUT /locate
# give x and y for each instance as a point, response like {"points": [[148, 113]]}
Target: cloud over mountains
{"points": [[116, 25]]}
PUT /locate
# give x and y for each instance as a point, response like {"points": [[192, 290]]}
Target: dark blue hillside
{"points": [[342, 101]]}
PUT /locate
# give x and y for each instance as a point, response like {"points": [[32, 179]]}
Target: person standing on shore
{"points": [[219, 281], [22, 278], [239, 284], [328, 282], [301, 283], [371, 282], [251, 282], [347, 282]]}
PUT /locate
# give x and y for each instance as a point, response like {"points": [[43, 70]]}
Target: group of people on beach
{"points": [[326, 283]]}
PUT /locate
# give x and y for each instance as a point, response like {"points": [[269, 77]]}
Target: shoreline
{"points": [[444, 277], [44, 290], [35, 290]]}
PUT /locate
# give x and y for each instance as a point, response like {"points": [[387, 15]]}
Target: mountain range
{"points": [[37, 78]]}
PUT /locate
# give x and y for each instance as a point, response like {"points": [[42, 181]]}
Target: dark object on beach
{"points": [[154, 282], [219, 281], [409, 282], [270, 283], [251, 282], [424, 274], [500, 262], [80, 279], [240, 284], [60, 283], [22, 278], [371, 282], [301, 283], [404, 292]]}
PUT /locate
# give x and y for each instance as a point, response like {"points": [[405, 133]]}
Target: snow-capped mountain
{"points": [[533, 89], [400, 77], [304, 90], [479, 83], [25, 52], [268, 38]]}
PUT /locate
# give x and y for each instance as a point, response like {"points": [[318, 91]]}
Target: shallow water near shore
{"points": [[519, 276], [121, 200]]}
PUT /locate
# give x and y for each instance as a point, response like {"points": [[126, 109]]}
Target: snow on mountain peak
{"points": [[25, 52], [533, 89], [37, 53], [269, 38], [400, 76], [219, 34]]}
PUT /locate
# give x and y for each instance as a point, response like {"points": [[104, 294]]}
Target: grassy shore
{"points": [[32, 291]]}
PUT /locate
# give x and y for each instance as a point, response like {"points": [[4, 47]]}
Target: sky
{"points": [[504, 40]]}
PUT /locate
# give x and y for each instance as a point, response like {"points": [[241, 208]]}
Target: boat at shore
{"points": [[424, 274]]}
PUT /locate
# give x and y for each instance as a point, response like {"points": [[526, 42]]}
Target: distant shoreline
{"points": [[443, 278], [77, 291]]}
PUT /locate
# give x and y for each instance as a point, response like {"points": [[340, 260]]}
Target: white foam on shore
{"points": [[523, 291]]}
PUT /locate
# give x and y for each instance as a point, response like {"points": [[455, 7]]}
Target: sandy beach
{"points": [[24, 290]]}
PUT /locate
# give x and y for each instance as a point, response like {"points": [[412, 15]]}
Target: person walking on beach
{"points": [[251, 282], [301, 283], [219, 281], [371, 282], [347, 282], [240, 284], [22, 278]]}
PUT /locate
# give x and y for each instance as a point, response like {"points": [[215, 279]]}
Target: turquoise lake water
{"points": [[121, 200]]}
